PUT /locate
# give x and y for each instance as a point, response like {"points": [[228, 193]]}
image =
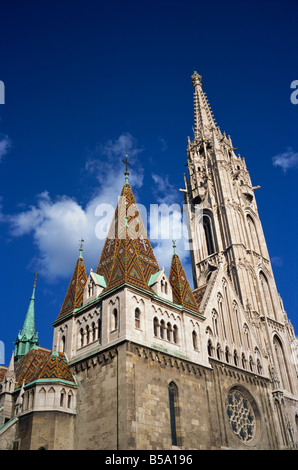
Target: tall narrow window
{"points": [[137, 318], [254, 240], [63, 343], [155, 326], [115, 319], [208, 235], [162, 328], [210, 348], [93, 332], [69, 400], [281, 363], [175, 334], [82, 337], [99, 330], [169, 331], [173, 401], [267, 295], [194, 340]]}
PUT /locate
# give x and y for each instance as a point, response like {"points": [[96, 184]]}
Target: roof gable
{"points": [[182, 293], [74, 295]]}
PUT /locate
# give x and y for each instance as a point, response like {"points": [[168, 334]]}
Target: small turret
{"points": [[27, 338]]}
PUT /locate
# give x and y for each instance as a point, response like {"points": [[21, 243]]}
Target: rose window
{"points": [[241, 415]]}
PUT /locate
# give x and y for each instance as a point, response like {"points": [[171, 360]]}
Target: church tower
{"points": [[27, 338], [225, 229], [140, 360]]}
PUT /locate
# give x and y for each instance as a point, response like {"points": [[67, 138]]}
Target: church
{"points": [[143, 361]]}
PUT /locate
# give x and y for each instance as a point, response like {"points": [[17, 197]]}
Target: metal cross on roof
{"points": [[126, 163], [126, 168]]}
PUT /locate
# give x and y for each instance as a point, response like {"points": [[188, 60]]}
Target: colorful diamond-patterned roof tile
{"points": [[55, 367], [41, 363], [199, 293], [74, 295], [127, 255], [3, 371], [182, 293]]}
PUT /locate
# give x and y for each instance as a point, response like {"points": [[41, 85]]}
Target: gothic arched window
{"points": [[115, 319], [235, 358], [253, 235], [99, 330], [87, 334], [208, 235], [81, 337], [93, 332], [210, 348], [218, 351], [173, 402], [175, 334], [63, 342], [162, 328], [137, 318], [195, 340], [169, 331], [155, 326], [281, 363], [227, 354], [267, 295]]}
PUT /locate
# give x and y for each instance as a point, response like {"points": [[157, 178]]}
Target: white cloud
{"points": [[5, 144], [277, 261], [286, 160], [58, 224], [170, 228], [165, 192]]}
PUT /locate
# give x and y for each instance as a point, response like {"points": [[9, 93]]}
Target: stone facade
{"points": [[145, 363]]}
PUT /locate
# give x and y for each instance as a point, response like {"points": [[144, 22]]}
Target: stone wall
{"points": [[123, 403], [48, 430]]}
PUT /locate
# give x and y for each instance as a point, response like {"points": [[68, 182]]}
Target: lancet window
{"points": [[173, 402]]}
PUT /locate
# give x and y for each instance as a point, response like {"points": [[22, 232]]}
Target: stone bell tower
{"points": [[229, 228], [225, 229]]}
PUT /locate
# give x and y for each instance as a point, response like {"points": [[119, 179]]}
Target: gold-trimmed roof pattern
{"points": [[127, 255], [74, 295], [41, 363], [182, 293]]}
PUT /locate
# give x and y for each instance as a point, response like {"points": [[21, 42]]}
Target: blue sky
{"points": [[85, 81]]}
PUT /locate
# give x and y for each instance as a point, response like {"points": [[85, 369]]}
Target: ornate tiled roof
{"points": [[3, 371], [74, 295], [199, 293], [41, 363], [127, 255], [182, 293]]}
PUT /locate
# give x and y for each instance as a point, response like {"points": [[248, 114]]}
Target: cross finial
{"points": [[81, 246], [126, 168], [174, 246]]}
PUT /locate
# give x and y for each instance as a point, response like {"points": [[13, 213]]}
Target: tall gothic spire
{"points": [[127, 255], [182, 293], [27, 338], [203, 117], [74, 295]]}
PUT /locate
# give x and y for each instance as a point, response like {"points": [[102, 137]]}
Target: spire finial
{"points": [[196, 79], [174, 246], [126, 168], [81, 247], [35, 279]]}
